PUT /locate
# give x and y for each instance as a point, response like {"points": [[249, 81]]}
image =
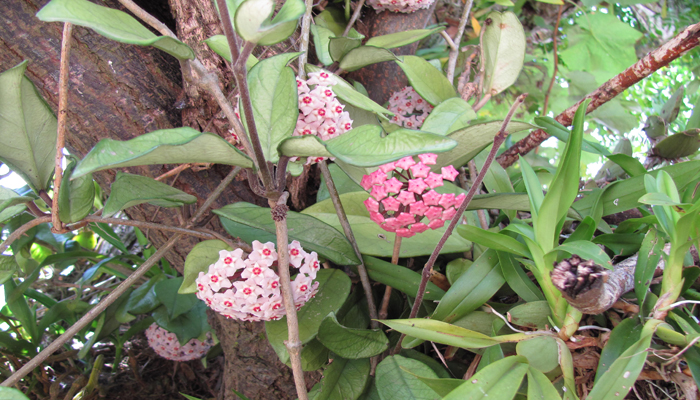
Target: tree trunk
{"points": [[121, 91]]}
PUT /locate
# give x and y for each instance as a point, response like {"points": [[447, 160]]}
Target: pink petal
{"points": [[405, 163], [434, 213], [418, 208], [420, 170], [366, 182], [448, 214], [386, 168], [378, 192], [428, 158], [406, 197], [376, 217], [438, 223], [434, 180], [431, 198], [447, 200], [393, 185], [417, 185], [378, 177], [372, 205], [391, 204], [449, 172], [405, 219], [419, 227], [403, 232]]}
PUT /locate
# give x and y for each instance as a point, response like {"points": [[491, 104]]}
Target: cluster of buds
{"points": [[320, 112], [249, 289], [167, 346], [403, 6], [402, 195], [409, 108]]}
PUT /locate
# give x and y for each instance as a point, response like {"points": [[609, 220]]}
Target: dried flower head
{"points": [[402, 196], [409, 108], [403, 6], [167, 346], [248, 288]]}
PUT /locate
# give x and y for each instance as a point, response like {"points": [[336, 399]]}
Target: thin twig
{"points": [[450, 43], [384, 310], [556, 61], [147, 18], [174, 171], [63, 79], [90, 315], [34, 209], [347, 229], [497, 141], [354, 17], [304, 37], [214, 195], [149, 225], [17, 233], [454, 53]]}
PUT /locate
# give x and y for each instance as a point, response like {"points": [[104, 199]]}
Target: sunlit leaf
{"points": [[430, 83], [351, 343], [503, 51]]}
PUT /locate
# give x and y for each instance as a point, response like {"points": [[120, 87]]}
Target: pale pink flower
{"points": [[166, 345], [410, 110]]}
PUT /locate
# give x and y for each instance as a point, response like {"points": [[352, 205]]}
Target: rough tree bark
{"points": [[119, 91]]}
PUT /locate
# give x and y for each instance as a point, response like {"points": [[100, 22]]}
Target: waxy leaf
{"points": [[647, 261], [273, 92], [503, 51], [334, 287], [395, 379], [11, 203], [430, 83], [450, 115], [399, 39], [679, 145], [517, 279], [343, 379], [314, 356], [112, 24], [253, 23], [442, 332], [669, 112], [76, 197], [533, 314], [202, 255], [166, 146], [400, 278], [28, 130], [559, 131], [251, 222], [539, 387], [322, 37], [625, 334], [130, 190], [441, 386], [349, 95], [541, 352], [175, 303], [364, 56], [8, 267], [144, 299], [340, 46], [351, 343], [9, 393], [219, 44], [493, 240], [499, 380], [587, 251]]}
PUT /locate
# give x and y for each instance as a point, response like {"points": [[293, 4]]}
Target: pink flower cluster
{"points": [[249, 289], [403, 6], [409, 108], [402, 195], [166, 345], [320, 112]]}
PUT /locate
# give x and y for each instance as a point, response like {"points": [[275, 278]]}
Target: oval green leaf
{"points": [[396, 379], [202, 255], [430, 83], [400, 278], [399, 39], [499, 380], [503, 51], [130, 190], [76, 197], [343, 379], [541, 352], [364, 56], [351, 343], [252, 20], [450, 115]]}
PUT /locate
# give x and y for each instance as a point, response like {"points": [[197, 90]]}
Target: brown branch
{"points": [[556, 61], [63, 78], [149, 225], [21, 231], [454, 52], [656, 59], [354, 17]]}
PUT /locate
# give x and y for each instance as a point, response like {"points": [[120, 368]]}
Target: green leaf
{"points": [[219, 44], [430, 83], [343, 184], [603, 55], [679, 145], [499, 380], [175, 303], [472, 140], [186, 326], [395, 379], [107, 233], [314, 356], [539, 387], [455, 268], [130, 190], [11, 203], [322, 41], [8, 393], [166, 146], [253, 23], [648, 259], [349, 95], [8, 267], [441, 386], [658, 199], [333, 19], [400, 278], [587, 251], [338, 47], [493, 240], [442, 332], [144, 299], [669, 112], [624, 335], [541, 352], [273, 92], [533, 187], [629, 164], [112, 24], [503, 51], [343, 379], [76, 197], [251, 222], [365, 146], [472, 289], [351, 343], [334, 287], [559, 131], [364, 56], [517, 279], [533, 314], [621, 244], [399, 39], [450, 115], [202, 255], [567, 368], [622, 374], [20, 310], [28, 131], [303, 146]]}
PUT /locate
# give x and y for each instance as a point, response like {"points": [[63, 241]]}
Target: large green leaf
{"points": [[273, 91], [587, 251], [202, 255], [251, 222], [253, 23], [603, 55], [76, 197], [112, 24], [334, 287], [8, 267], [450, 115], [322, 41], [349, 95], [442, 332], [472, 140], [430, 83], [499, 380], [343, 380], [559, 131], [166, 146], [517, 279], [28, 129], [399, 39], [396, 379], [647, 261], [11, 203], [219, 44], [338, 47], [681, 144], [541, 352], [539, 387], [503, 51], [175, 303], [493, 240], [8, 393], [400, 278], [625, 334], [351, 343], [144, 299], [130, 190], [364, 56], [186, 326]]}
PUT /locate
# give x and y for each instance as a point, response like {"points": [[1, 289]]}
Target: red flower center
{"points": [[306, 132], [228, 303], [303, 288], [338, 109], [228, 260], [331, 130], [276, 306], [321, 112], [306, 100], [257, 271], [274, 284], [294, 252], [247, 291], [328, 93], [214, 278], [324, 75], [266, 252]]}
